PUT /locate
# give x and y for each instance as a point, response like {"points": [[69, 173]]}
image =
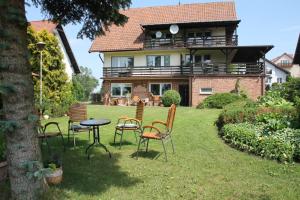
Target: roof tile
{"points": [[130, 36]]}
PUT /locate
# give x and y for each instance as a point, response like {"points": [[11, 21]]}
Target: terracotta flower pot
{"points": [[3, 171], [55, 177]]}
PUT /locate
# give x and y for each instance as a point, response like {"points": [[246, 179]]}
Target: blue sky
{"points": [[274, 22]]}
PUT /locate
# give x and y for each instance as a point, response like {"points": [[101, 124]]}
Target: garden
{"points": [[203, 166]]}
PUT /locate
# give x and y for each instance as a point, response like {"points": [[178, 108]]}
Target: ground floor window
{"points": [[159, 88], [121, 89], [279, 80], [206, 90]]}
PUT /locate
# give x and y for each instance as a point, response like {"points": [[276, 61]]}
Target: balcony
{"points": [[180, 42], [285, 65], [178, 71]]}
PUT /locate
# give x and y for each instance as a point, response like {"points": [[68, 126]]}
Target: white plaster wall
{"points": [[66, 60], [276, 73], [295, 71], [140, 56], [284, 57]]}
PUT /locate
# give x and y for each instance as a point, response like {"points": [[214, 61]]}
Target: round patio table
{"points": [[95, 124]]}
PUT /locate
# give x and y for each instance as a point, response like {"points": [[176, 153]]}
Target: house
{"points": [[275, 74], [285, 61], [296, 60], [191, 48], [58, 31]]}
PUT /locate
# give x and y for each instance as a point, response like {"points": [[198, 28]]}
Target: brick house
{"points": [[191, 48]]}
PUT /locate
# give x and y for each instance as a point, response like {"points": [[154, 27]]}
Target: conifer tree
{"points": [[16, 85]]}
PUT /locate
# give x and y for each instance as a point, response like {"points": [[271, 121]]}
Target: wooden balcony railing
{"points": [[213, 41], [175, 71]]}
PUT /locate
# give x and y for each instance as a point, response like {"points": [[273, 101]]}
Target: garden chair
{"points": [[135, 100], [77, 113], [130, 124], [157, 134], [44, 134]]}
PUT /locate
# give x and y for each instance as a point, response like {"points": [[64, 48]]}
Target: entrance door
{"points": [[184, 93]]}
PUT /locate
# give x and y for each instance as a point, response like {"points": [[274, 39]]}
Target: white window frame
{"points": [[201, 92], [162, 60], [119, 61], [279, 80], [160, 87], [121, 85]]}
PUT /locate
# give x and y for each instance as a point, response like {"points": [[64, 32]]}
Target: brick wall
{"points": [[251, 85]]}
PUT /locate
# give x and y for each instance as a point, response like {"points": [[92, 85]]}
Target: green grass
{"points": [[203, 167]]}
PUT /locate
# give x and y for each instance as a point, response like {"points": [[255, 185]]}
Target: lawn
{"points": [[203, 167]]}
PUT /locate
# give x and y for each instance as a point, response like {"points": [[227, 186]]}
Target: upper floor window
{"points": [[197, 58], [199, 34], [285, 62], [122, 61], [158, 61]]}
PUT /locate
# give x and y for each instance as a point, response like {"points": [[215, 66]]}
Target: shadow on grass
{"points": [[93, 176], [124, 143], [150, 154]]}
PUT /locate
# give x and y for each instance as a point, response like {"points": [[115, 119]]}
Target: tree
{"points": [[19, 121], [57, 90], [86, 81]]}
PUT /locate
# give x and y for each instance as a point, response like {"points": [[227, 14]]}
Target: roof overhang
{"points": [[243, 53], [193, 24], [297, 53], [250, 53]]}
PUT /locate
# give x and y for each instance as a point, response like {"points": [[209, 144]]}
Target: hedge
{"points": [[246, 137]]}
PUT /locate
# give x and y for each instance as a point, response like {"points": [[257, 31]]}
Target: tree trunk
{"points": [[22, 143]]}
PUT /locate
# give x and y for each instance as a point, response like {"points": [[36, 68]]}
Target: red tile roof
{"points": [[130, 36], [43, 25]]}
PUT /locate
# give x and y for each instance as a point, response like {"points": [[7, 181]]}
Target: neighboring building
{"points": [[200, 58], [296, 60], [58, 31], [285, 61], [275, 74]]}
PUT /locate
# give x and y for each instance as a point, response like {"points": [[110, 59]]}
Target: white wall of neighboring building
{"points": [[66, 60], [274, 74], [283, 58]]}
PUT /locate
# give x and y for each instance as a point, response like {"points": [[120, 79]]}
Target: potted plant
{"points": [[3, 163], [55, 174]]}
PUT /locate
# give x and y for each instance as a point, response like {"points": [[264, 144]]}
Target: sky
{"points": [[263, 22]]}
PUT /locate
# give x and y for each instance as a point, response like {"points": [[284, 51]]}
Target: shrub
{"points": [[247, 137], [171, 97], [236, 115], [282, 117], [292, 136], [274, 98], [219, 100]]}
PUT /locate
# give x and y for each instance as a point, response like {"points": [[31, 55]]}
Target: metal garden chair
{"points": [[153, 132], [130, 124], [44, 134], [77, 113]]}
